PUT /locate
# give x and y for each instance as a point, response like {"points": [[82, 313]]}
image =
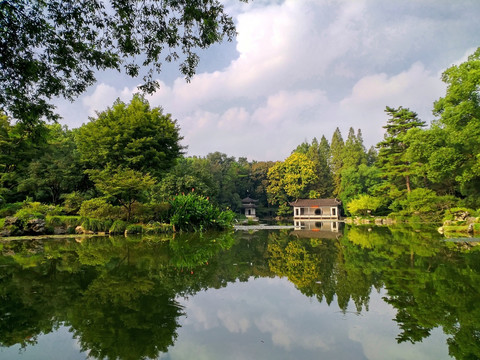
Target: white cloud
{"points": [[303, 67]]}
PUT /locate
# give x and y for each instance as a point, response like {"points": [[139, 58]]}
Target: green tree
{"points": [[132, 136], [53, 48], [459, 116], [188, 173], [290, 179], [57, 171], [361, 180], [319, 154], [392, 156], [127, 186], [336, 159], [19, 145], [354, 150], [364, 205]]}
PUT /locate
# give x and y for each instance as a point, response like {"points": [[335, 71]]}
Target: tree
{"points": [[353, 151], [57, 171], [127, 186], [291, 178], [392, 155], [132, 136], [53, 48], [336, 159], [319, 154], [19, 145], [459, 116], [364, 205]]}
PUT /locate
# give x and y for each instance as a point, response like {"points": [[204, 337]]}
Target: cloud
{"points": [[303, 67]]}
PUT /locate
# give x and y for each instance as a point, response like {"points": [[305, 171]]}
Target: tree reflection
{"points": [[118, 295]]}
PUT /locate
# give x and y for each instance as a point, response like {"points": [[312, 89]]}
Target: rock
{"points": [[12, 220], [59, 230], [36, 226], [378, 221], [461, 215], [470, 228], [440, 230], [79, 230]]}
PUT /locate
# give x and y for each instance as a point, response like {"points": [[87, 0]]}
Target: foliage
{"points": [[72, 202], [426, 204], [392, 155], [57, 170], [336, 159], [194, 212], [99, 208], [134, 229], [291, 178], [127, 186], [459, 117], [364, 205], [118, 227], [132, 136], [51, 49]]}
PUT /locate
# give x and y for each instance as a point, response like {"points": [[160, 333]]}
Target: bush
{"points": [[98, 208], [73, 202], [118, 227], [364, 205], [194, 212], [134, 229], [10, 209], [145, 213], [154, 228]]}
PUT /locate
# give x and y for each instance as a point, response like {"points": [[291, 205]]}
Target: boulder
{"points": [[36, 226]]}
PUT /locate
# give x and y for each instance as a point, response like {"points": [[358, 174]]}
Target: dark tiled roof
{"points": [[315, 202], [249, 200]]}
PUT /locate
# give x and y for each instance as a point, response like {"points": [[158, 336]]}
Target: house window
{"points": [[296, 211], [334, 211], [318, 212]]}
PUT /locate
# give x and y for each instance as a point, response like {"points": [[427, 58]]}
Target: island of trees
{"points": [[127, 166]]}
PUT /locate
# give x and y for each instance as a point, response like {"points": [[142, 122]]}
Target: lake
{"points": [[329, 292]]}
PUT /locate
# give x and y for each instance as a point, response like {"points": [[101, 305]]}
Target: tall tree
{"points": [[336, 159], [319, 154], [132, 136], [459, 116], [53, 48], [353, 151], [392, 156]]}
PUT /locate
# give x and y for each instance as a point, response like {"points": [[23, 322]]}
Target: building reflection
{"points": [[317, 229]]}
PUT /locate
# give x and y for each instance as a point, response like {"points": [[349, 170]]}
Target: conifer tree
{"points": [[336, 159], [392, 156]]}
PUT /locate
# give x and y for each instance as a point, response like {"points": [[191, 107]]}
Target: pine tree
{"points": [[336, 159], [392, 156]]}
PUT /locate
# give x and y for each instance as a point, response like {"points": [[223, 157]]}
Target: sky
{"points": [[298, 69]]}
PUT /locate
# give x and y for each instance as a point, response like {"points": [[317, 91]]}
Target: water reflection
{"points": [[126, 298]]}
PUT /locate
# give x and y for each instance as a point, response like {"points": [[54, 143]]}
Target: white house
{"points": [[316, 209]]}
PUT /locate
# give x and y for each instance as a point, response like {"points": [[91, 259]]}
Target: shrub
{"points": [[194, 212], [364, 205], [98, 208], [118, 227], [73, 202], [134, 229], [10, 209]]}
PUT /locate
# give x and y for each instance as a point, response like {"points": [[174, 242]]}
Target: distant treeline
{"points": [[130, 154]]}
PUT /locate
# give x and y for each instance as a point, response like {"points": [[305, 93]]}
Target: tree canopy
{"points": [[54, 48], [131, 135]]}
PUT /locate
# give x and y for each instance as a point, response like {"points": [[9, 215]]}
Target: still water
{"points": [[324, 293]]}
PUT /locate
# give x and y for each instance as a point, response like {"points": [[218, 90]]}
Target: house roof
{"points": [[315, 202], [249, 200]]}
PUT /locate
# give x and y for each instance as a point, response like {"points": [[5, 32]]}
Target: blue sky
{"points": [[300, 68]]}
